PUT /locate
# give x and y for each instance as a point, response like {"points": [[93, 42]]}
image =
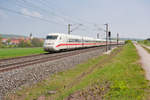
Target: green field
{"points": [[16, 52], [117, 76]]}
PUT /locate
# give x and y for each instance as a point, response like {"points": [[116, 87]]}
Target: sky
{"points": [[129, 18]]}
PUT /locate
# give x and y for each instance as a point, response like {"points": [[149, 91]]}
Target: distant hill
{"points": [[133, 39], [11, 36]]}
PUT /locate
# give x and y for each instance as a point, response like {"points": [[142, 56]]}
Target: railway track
{"points": [[15, 63]]}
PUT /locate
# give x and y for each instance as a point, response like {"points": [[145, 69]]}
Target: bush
{"points": [[0, 42], [146, 41], [128, 41], [36, 42]]}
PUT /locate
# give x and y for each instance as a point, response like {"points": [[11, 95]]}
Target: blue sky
{"points": [[129, 18]]}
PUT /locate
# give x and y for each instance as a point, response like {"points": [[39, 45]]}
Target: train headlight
{"points": [[49, 43]]}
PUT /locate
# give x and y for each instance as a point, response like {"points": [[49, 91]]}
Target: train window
{"points": [[75, 40], [52, 37], [71, 40]]}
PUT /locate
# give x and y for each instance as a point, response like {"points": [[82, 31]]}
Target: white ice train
{"points": [[58, 41]]}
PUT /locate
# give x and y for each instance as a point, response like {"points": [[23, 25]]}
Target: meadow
{"points": [[17, 52]]}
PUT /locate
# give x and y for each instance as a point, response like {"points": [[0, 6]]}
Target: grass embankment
{"points": [[147, 49], [144, 42], [116, 77], [16, 52]]}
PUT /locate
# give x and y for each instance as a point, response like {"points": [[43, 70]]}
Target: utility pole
{"points": [[30, 36], [97, 35], [117, 38], [109, 35], [106, 37], [69, 31]]}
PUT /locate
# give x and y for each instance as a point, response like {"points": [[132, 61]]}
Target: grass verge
{"points": [[16, 52], [148, 50], [144, 42], [124, 75], [119, 75]]}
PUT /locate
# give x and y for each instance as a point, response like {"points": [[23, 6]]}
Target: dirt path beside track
{"points": [[145, 59]]}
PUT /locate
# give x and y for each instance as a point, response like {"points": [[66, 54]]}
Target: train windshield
{"points": [[51, 37]]}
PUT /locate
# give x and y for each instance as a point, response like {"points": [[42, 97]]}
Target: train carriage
{"points": [[58, 41]]}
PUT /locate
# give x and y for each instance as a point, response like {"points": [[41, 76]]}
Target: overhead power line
{"points": [[60, 15], [77, 27], [19, 13], [48, 12], [89, 26], [77, 19], [27, 5], [65, 17]]}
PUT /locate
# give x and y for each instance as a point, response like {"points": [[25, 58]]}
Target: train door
{"points": [[60, 41], [82, 41]]}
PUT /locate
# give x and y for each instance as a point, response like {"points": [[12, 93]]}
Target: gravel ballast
{"points": [[15, 79]]}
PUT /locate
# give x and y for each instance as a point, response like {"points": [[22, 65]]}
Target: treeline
{"points": [[35, 42], [0, 41]]}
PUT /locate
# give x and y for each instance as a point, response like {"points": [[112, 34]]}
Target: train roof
{"points": [[63, 34], [77, 36]]}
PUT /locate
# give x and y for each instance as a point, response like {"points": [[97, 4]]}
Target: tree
{"points": [[128, 41], [21, 43], [28, 43], [36, 42], [145, 41], [8, 41]]}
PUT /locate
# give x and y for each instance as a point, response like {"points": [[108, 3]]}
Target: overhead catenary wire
{"points": [[60, 15], [89, 26], [77, 19], [28, 5], [69, 18], [74, 20], [77, 27], [43, 2], [53, 13], [19, 13]]}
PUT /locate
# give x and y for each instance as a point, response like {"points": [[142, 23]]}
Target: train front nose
{"points": [[50, 43], [49, 46]]}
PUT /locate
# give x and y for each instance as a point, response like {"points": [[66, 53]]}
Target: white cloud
{"points": [[31, 13]]}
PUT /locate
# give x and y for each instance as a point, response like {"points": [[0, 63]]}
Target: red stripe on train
{"points": [[81, 44]]}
